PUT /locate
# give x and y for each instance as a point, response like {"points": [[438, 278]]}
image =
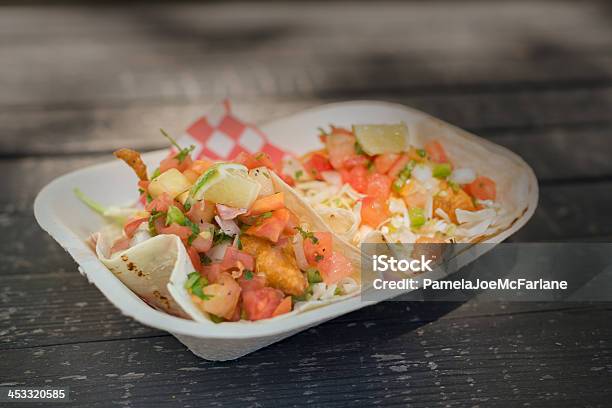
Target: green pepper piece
{"points": [[442, 170], [417, 217]]}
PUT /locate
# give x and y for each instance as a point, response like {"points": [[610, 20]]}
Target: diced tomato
{"points": [[340, 147], [334, 268], [200, 166], [121, 244], [132, 225], [354, 161], [379, 186], [268, 203], [357, 177], [384, 162], [172, 162], [293, 222], [191, 175], [261, 303], [159, 223], [483, 188], [211, 272], [374, 211], [264, 160], [271, 227], [278, 169], [436, 152], [283, 307], [201, 212], [252, 161], [195, 258], [202, 244], [316, 164], [287, 179], [256, 282], [398, 166], [317, 251], [233, 256], [181, 231], [160, 204], [224, 296]]}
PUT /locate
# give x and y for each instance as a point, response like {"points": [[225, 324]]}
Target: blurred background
{"points": [[80, 79]]}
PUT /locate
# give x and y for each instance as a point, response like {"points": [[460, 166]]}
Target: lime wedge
{"points": [[378, 139], [228, 184]]}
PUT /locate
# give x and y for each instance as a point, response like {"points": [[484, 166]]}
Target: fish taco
{"points": [[223, 241]]}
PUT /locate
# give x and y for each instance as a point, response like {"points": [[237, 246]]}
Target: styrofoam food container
{"points": [[70, 223]]}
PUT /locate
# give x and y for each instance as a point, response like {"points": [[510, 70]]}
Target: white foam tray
{"points": [[69, 222]]}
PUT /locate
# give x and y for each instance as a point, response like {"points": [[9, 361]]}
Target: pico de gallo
{"points": [[253, 258], [369, 179]]}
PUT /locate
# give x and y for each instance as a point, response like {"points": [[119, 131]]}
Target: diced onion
{"points": [[229, 227], [217, 253], [422, 173], [332, 177], [298, 249], [462, 176]]}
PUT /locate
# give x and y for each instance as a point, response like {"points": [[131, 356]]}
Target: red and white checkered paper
{"points": [[222, 136]]}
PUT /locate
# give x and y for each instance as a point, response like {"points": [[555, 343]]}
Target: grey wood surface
{"points": [[76, 82]]}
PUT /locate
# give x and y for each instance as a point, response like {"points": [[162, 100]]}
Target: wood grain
{"points": [[524, 359]]}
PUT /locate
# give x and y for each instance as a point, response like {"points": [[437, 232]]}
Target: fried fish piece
{"points": [[277, 264], [132, 158], [449, 200]]}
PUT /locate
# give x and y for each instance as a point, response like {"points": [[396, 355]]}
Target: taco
{"points": [[224, 241], [426, 182]]}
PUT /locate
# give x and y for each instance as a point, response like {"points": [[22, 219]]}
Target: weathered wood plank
{"points": [[523, 359], [192, 50], [550, 117]]}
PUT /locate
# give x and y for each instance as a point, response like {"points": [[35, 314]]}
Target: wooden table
{"points": [[77, 82]]}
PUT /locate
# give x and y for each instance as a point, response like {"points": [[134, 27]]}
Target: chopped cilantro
{"points": [[219, 236], [313, 275], [205, 260], [154, 215], [319, 257], [238, 241], [175, 216], [421, 152], [194, 284], [248, 274], [267, 214], [192, 278], [194, 227], [216, 319], [183, 152], [307, 235], [358, 149], [298, 174]]}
